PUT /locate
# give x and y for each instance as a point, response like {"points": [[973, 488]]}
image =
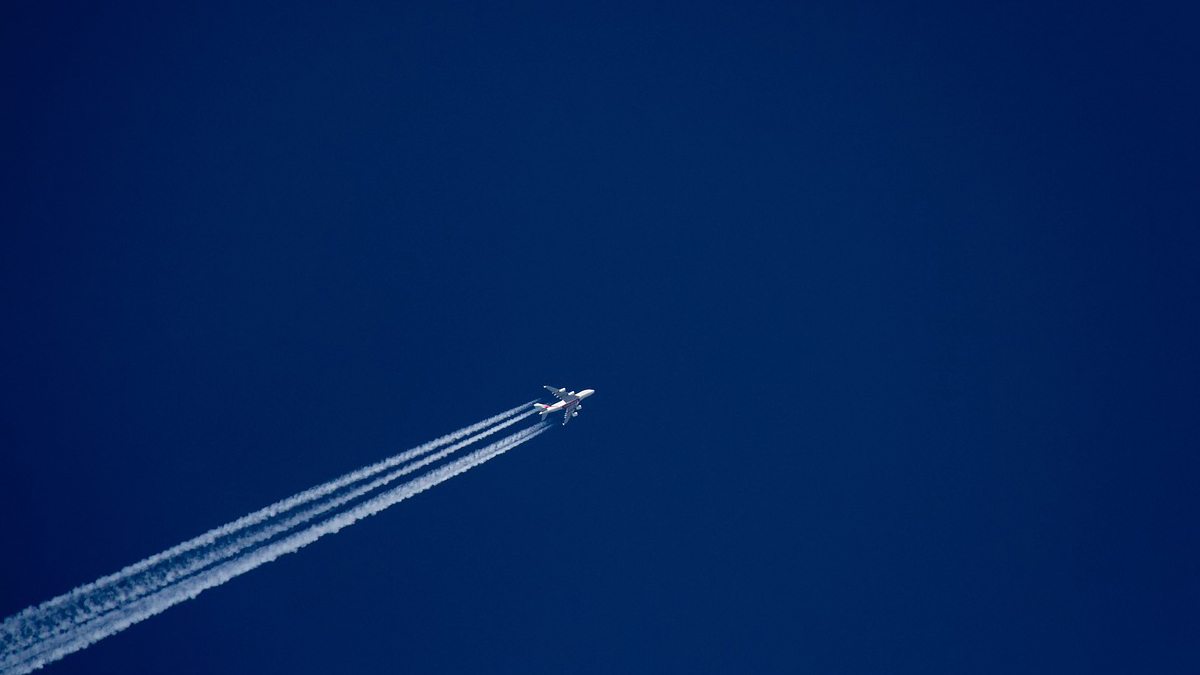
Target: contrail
{"points": [[10, 637], [140, 587], [132, 587], [40, 654], [37, 623]]}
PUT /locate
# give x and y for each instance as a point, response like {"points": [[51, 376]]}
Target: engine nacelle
{"points": [[575, 414], [579, 407]]}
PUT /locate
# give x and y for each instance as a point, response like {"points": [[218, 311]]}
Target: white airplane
{"points": [[569, 402]]}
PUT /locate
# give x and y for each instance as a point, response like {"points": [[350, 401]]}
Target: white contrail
{"points": [[15, 630], [135, 586], [257, 536], [38, 655]]}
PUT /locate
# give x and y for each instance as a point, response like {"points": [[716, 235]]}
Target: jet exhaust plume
{"points": [[132, 587], [47, 632], [10, 638]]}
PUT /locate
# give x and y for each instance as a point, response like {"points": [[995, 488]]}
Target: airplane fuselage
{"points": [[572, 404], [569, 403]]}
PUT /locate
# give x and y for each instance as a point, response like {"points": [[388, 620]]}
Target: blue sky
{"points": [[890, 311]]}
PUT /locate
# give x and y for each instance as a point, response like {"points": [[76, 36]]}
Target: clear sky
{"points": [[891, 310]]}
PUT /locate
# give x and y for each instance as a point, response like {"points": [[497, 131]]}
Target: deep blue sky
{"points": [[891, 311]]}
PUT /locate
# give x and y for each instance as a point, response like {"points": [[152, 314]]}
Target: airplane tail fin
{"points": [[545, 409]]}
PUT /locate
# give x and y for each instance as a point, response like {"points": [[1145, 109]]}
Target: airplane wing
{"points": [[560, 393], [566, 416]]}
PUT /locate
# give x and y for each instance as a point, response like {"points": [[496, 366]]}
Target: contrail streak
{"points": [[135, 586], [15, 631], [38, 655]]}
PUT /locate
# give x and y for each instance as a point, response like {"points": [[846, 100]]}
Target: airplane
{"points": [[569, 402]]}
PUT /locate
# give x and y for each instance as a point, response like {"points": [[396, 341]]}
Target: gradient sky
{"points": [[891, 311]]}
